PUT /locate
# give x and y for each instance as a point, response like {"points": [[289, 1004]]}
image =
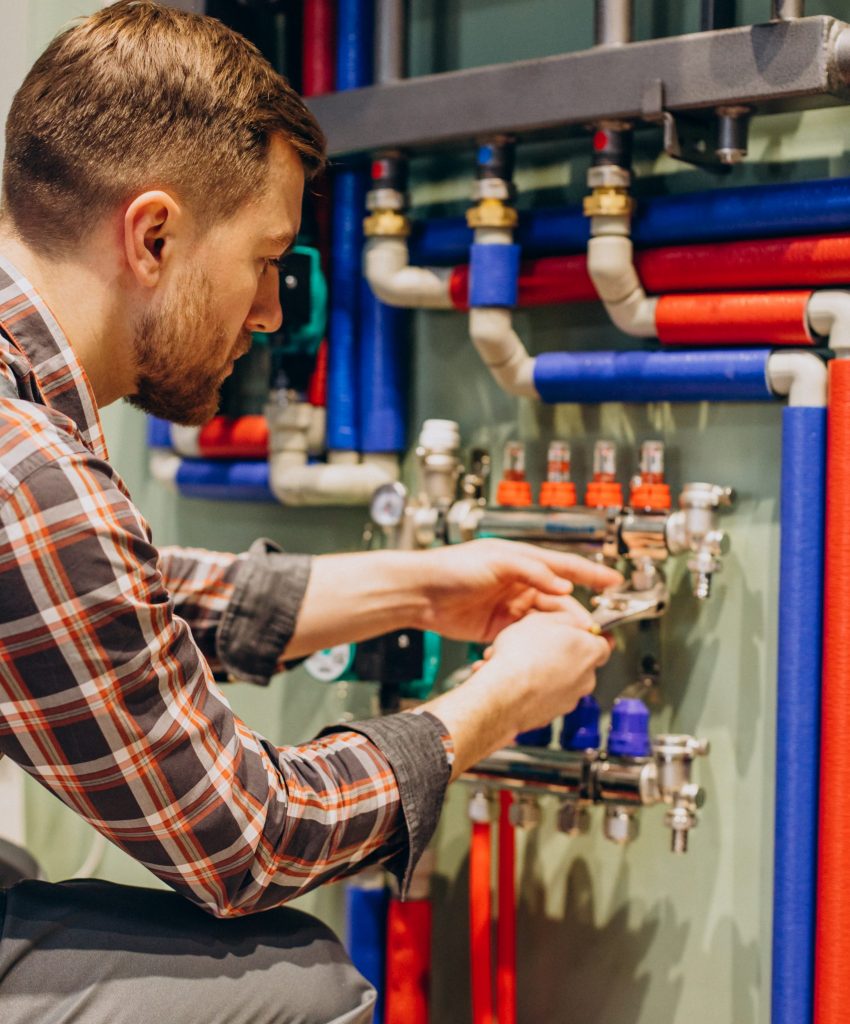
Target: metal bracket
{"points": [[688, 137]]}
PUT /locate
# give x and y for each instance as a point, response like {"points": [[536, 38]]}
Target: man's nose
{"points": [[266, 315]]}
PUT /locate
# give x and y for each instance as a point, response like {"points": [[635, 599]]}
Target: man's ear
{"points": [[151, 224]]}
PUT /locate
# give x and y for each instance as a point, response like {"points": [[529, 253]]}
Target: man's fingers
{"points": [[574, 567], [568, 605]]}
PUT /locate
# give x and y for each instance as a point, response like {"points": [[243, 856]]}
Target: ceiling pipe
{"points": [[613, 22], [787, 10], [390, 41]]}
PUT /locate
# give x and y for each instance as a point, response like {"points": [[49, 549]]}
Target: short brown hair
{"points": [[140, 95]]}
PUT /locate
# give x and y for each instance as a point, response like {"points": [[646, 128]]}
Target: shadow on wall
{"points": [[586, 968]]}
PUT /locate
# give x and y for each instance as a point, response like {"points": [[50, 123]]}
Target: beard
{"points": [[182, 355]]}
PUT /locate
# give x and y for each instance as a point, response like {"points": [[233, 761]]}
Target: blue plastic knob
{"points": [[581, 726], [535, 737], [629, 736]]}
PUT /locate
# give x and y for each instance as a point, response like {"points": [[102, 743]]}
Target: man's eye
{"points": [[276, 262]]}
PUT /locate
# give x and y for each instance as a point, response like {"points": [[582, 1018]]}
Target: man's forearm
{"points": [[352, 597]]}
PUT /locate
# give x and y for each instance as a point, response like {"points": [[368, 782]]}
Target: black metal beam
{"points": [[777, 66]]}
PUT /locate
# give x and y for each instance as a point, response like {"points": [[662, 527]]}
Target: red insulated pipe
{"points": [[543, 282], [832, 977], [317, 392], [752, 264], [506, 927], [408, 970], [822, 260], [319, 58], [480, 925], [245, 437], [776, 318]]}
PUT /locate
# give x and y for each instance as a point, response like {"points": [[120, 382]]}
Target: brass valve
{"points": [[609, 202], [386, 224], [492, 213]]}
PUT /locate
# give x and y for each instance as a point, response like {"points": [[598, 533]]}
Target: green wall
{"points": [[624, 936]]}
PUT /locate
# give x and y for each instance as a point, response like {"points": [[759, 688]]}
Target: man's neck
{"points": [[80, 295]]}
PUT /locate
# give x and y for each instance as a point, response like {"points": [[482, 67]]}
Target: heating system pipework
{"points": [[648, 369]]}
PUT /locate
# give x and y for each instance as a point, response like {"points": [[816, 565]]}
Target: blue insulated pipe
{"points": [[349, 197], [802, 511], [763, 211], [355, 19], [220, 480], [158, 432], [366, 907], [732, 375], [382, 411]]}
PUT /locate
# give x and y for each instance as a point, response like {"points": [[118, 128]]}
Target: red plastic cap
{"points": [[514, 493], [604, 494], [558, 494], [651, 496]]}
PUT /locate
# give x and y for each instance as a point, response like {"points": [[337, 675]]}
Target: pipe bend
{"points": [[502, 351], [386, 265], [800, 375], [610, 265], [828, 313], [325, 484]]}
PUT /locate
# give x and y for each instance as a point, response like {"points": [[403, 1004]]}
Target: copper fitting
{"points": [[386, 224], [608, 202], [492, 213]]}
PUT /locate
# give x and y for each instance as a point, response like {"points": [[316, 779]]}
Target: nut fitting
{"points": [[608, 202], [386, 224], [492, 213]]}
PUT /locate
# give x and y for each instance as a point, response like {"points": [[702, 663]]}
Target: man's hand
{"points": [[538, 668], [465, 592], [475, 590]]}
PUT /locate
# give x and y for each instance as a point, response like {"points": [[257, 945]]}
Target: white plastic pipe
{"points": [[800, 375], [610, 265], [386, 264], [828, 314], [502, 351], [329, 484]]}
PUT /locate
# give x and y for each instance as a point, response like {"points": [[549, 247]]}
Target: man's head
{"points": [[178, 136]]}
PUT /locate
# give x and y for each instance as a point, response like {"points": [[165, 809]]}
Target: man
{"points": [[153, 178]]}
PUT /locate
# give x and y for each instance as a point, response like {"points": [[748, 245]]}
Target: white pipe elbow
{"points": [[186, 441], [800, 375], [386, 264], [828, 314], [297, 484], [502, 351], [610, 264]]}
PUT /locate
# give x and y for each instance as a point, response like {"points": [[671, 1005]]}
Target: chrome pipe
{"points": [[787, 10], [534, 770], [585, 527], [390, 41], [614, 19]]}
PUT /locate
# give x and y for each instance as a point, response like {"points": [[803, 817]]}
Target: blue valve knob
{"points": [[581, 726], [535, 737], [629, 735]]}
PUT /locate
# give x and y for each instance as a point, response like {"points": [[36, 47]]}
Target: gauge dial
{"points": [[388, 504]]}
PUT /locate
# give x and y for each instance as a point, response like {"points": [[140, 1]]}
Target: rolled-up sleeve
{"points": [[107, 701]]}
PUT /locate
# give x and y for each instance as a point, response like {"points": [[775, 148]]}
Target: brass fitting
{"points": [[386, 224], [609, 202], [492, 213]]}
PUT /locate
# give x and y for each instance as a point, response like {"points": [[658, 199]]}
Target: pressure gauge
{"points": [[388, 504], [330, 664]]}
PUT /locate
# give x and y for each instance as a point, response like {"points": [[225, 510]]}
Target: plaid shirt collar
{"points": [[58, 373]]}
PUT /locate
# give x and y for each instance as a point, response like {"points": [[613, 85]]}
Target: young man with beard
{"points": [[153, 177]]}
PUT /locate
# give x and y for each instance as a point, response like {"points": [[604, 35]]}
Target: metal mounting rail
{"points": [[787, 65]]}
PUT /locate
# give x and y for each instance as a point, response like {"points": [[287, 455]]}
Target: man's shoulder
{"points": [[33, 436]]}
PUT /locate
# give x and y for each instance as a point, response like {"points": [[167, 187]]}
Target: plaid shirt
{"points": [[107, 654]]}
